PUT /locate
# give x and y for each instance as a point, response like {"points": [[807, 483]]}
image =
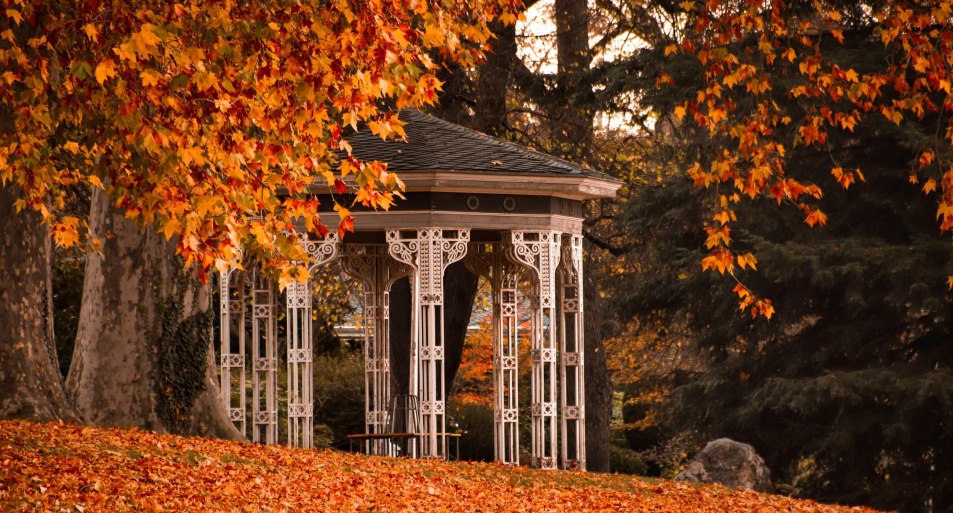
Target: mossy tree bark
{"points": [[143, 355], [30, 383]]}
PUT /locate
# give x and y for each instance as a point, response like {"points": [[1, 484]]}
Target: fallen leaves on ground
{"points": [[63, 467]]}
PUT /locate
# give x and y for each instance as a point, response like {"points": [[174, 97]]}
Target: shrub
{"points": [[339, 396], [627, 461]]}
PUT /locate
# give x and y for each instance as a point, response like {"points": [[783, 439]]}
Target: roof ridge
{"points": [[532, 152], [432, 143]]}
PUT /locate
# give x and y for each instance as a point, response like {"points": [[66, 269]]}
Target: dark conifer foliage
{"points": [[848, 391]]}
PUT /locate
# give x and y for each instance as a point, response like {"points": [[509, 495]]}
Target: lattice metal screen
{"points": [[552, 261]]}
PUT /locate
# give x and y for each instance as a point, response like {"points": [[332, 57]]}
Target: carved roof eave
{"points": [[561, 186]]}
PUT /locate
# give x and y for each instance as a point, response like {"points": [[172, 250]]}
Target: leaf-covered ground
{"points": [[56, 467]]}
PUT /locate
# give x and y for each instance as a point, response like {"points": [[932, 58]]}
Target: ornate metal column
{"points": [[300, 378], [429, 251], [264, 333], [490, 261], [571, 350], [300, 403], [377, 271], [539, 250], [232, 304]]}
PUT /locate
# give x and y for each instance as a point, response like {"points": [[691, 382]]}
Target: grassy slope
{"points": [[55, 467]]}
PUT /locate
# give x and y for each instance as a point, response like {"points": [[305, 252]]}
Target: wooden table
{"points": [[403, 437]]}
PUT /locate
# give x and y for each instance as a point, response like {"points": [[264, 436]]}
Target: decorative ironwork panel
{"points": [[491, 262], [232, 310], [264, 360], [322, 251], [429, 251], [267, 418], [233, 360], [572, 348], [266, 364], [301, 409], [539, 252], [377, 271]]}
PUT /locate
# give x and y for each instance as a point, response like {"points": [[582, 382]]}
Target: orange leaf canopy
{"points": [[210, 120]]}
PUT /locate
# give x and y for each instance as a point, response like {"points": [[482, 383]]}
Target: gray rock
{"points": [[729, 463]]}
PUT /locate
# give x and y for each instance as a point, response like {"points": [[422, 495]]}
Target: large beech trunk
{"points": [[143, 356], [30, 383]]}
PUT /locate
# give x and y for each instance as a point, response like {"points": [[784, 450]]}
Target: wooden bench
{"points": [[403, 438]]}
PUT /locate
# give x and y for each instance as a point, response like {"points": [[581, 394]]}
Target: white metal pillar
{"points": [[429, 251], [264, 361], [539, 250], [300, 345], [232, 310], [490, 261], [377, 271], [571, 351], [300, 392]]}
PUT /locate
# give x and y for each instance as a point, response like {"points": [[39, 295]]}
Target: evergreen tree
{"points": [[847, 391]]}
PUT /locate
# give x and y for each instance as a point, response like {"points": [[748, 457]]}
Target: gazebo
{"points": [[512, 214]]}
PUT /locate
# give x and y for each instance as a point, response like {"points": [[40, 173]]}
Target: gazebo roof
{"points": [[457, 177], [433, 144]]}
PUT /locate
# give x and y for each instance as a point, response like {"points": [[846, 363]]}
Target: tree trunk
{"points": [[574, 111], [143, 354], [459, 284], [400, 307], [30, 383], [574, 130], [598, 381], [459, 290], [455, 97], [493, 84]]}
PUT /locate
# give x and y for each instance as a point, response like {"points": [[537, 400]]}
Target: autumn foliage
{"points": [[57, 467], [474, 381], [210, 121], [771, 86]]}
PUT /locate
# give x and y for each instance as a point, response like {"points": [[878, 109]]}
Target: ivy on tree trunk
{"points": [[142, 355]]}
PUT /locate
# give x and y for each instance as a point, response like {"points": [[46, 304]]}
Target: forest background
{"points": [[790, 291]]}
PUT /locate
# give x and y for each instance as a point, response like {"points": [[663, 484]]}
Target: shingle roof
{"points": [[436, 145]]}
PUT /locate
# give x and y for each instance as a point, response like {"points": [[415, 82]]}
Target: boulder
{"points": [[729, 463]]}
